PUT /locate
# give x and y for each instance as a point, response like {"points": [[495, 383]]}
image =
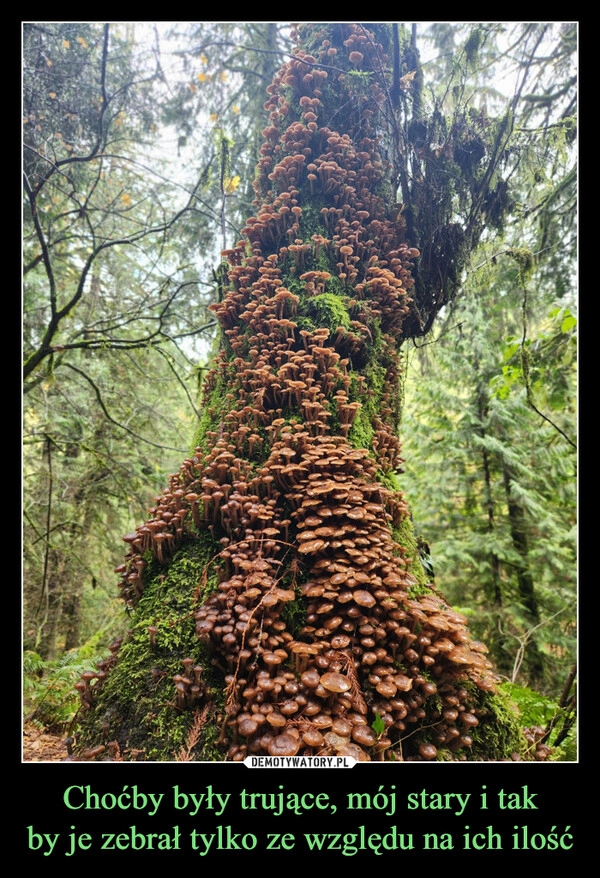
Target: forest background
{"points": [[140, 143]]}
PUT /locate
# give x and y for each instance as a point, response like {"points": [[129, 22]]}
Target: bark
{"points": [[48, 617], [526, 588], [72, 620], [489, 505]]}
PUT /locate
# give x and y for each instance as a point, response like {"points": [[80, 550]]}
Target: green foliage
{"points": [[538, 710], [378, 725], [535, 709], [49, 696], [108, 290], [85, 479], [491, 469], [490, 455]]}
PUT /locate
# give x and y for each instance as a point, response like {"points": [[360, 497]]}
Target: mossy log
{"points": [[279, 605]]}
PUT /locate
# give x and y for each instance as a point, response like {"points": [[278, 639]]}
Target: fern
{"points": [[49, 696]]}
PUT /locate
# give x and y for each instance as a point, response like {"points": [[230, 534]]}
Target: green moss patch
{"points": [[136, 705]]}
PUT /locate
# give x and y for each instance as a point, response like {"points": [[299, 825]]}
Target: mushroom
{"points": [[283, 745]]}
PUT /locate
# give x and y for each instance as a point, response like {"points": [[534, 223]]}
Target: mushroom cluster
{"points": [[302, 513], [366, 647]]}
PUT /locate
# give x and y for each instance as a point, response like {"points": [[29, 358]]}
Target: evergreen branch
{"points": [[193, 735]]}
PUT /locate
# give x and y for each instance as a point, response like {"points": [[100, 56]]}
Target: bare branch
{"points": [[96, 390]]}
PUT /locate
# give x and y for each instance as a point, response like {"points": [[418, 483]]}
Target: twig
{"points": [[193, 735]]}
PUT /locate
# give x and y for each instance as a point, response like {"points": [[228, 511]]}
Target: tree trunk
{"points": [[50, 609], [72, 620], [496, 589], [534, 663], [278, 579]]}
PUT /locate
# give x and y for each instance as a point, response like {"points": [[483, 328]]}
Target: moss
{"points": [[524, 259], [497, 736], [214, 406], [136, 705], [404, 534], [294, 615], [328, 310], [499, 732], [305, 323], [361, 432], [312, 220]]}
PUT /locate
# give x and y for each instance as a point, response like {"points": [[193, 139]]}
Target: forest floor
{"points": [[40, 745]]}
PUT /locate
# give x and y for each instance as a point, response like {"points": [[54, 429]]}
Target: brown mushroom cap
{"points": [[283, 745], [364, 735], [364, 598], [335, 682], [313, 738], [247, 727], [428, 751]]}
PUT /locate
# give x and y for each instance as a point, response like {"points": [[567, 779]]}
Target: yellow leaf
{"points": [[126, 199], [231, 184], [82, 42], [52, 94], [224, 76], [66, 44], [235, 108], [214, 117], [406, 80], [203, 77], [204, 59]]}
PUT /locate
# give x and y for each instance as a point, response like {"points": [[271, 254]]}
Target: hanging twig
{"points": [[523, 641]]}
